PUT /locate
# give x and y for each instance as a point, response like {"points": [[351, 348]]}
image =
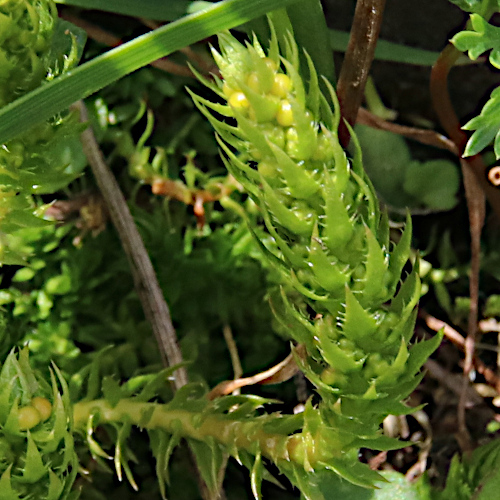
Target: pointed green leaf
{"points": [[419, 353], [256, 477], [408, 295], [34, 469], [326, 271], [337, 226], [376, 270], [335, 356], [399, 256], [298, 180], [355, 472], [313, 92], [56, 487], [284, 216], [380, 443], [6, 489], [306, 483], [209, 460], [111, 391], [358, 323]]}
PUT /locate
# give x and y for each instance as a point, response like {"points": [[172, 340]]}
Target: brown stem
{"points": [[476, 187], [424, 136], [450, 123], [357, 61], [149, 291], [456, 338]]}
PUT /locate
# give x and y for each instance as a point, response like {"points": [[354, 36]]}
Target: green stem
{"points": [[233, 434]]}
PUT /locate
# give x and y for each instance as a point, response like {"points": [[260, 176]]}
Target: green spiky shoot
{"points": [[356, 317]]}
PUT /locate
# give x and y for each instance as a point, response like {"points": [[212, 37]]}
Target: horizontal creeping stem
{"points": [[232, 434]]}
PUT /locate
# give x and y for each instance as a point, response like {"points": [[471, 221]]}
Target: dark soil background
{"points": [[426, 24]]}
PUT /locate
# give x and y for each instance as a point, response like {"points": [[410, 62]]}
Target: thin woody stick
{"points": [[149, 291], [436, 324]]}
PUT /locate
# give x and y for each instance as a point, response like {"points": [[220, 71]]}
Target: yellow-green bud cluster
{"points": [[37, 456], [331, 242]]}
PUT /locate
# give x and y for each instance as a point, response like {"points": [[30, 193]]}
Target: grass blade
{"points": [[51, 98]]}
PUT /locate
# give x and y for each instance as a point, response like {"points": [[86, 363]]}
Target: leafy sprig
{"points": [[481, 38], [477, 6], [486, 127]]}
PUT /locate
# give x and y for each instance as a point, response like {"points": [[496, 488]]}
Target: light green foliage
{"points": [[476, 5], [492, 306], [36, 437], [481, 38], [476, 476], [402, 181], [209, 280], [486, 127], [34, 47], [396, 488], [331, 246], [343, 296], [26, 37]]}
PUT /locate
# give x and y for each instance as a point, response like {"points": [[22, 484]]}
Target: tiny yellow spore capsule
{"points": [[227, 90], [282, 85], [28, 417], [253, 82], [284, 116], [270, 64], [43, 406], [268, 169], [238, 100]]}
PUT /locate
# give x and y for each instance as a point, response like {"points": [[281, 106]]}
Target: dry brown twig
{"points": [[153, 302], [281, 372], [454, 336], [233, 353], [428, 137], [149, 291]]}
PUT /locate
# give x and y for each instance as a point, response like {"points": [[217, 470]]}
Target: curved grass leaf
{"points": [[46, 101], [387, 51]]}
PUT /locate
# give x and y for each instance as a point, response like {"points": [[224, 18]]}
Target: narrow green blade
{"points": [[92, 76]]}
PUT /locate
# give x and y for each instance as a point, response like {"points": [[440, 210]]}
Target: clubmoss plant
{"points": [[36, 437], [357, 312], [34, 48]]}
